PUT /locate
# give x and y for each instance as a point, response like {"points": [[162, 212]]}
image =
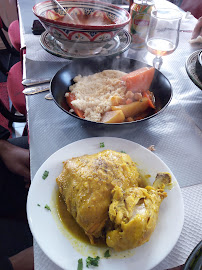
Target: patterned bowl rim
{"points": [[87, 27]]}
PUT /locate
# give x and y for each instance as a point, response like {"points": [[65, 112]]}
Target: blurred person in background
{"points": [[192, 6]]}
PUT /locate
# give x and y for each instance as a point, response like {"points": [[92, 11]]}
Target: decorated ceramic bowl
{"points": [[93, 23]]}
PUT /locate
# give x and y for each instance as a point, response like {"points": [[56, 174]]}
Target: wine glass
{"points": [[163, 33]]}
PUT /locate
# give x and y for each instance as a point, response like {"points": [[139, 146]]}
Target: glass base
{"points": [[157, 62]]}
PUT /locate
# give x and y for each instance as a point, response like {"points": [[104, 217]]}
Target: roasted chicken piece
{"points": [[86, 184], [134, 213]]}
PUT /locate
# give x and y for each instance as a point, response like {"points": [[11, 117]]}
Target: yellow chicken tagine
{"points": [[104, 192]]}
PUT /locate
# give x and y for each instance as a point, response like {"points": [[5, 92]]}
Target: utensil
{"points": [[30, 82], [163, 33], [36, 89], [49, 96], [60, 83], [64, 10]]}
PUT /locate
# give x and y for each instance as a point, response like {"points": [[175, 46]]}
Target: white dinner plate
{"points": [[63, 249]]}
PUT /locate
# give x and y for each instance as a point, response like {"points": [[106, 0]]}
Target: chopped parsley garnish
{"points": [[123, 152], [80, 264], [47, 207], [102, 145], [107, 254], [45, 175], [38, 204], [92, 261]]}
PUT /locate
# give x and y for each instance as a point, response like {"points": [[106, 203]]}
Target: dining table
{"points": [[175, 133]]}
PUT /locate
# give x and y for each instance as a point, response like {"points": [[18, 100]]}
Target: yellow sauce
{"points": [[71, 225]]}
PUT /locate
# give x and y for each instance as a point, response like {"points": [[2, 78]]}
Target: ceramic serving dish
{"points": [[94, 23], [60, 83]]}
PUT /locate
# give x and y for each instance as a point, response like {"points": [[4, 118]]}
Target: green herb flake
{"points": [[107, 254], [123, 151], [92, 261], [38, 204], [45, 175], [47, 207], [102, 145], [80, 264]]}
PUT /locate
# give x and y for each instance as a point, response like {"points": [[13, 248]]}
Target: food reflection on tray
{"points": [[109, 199], [113, 96]]}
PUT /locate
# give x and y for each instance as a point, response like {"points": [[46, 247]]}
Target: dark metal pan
{"points": [[60, 83]]}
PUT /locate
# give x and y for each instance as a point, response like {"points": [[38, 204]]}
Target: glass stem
{"points": [[157, 62]]}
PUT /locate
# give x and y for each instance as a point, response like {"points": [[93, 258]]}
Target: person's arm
{"points": [[24, 260], [197, 29], [15, 158]]}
